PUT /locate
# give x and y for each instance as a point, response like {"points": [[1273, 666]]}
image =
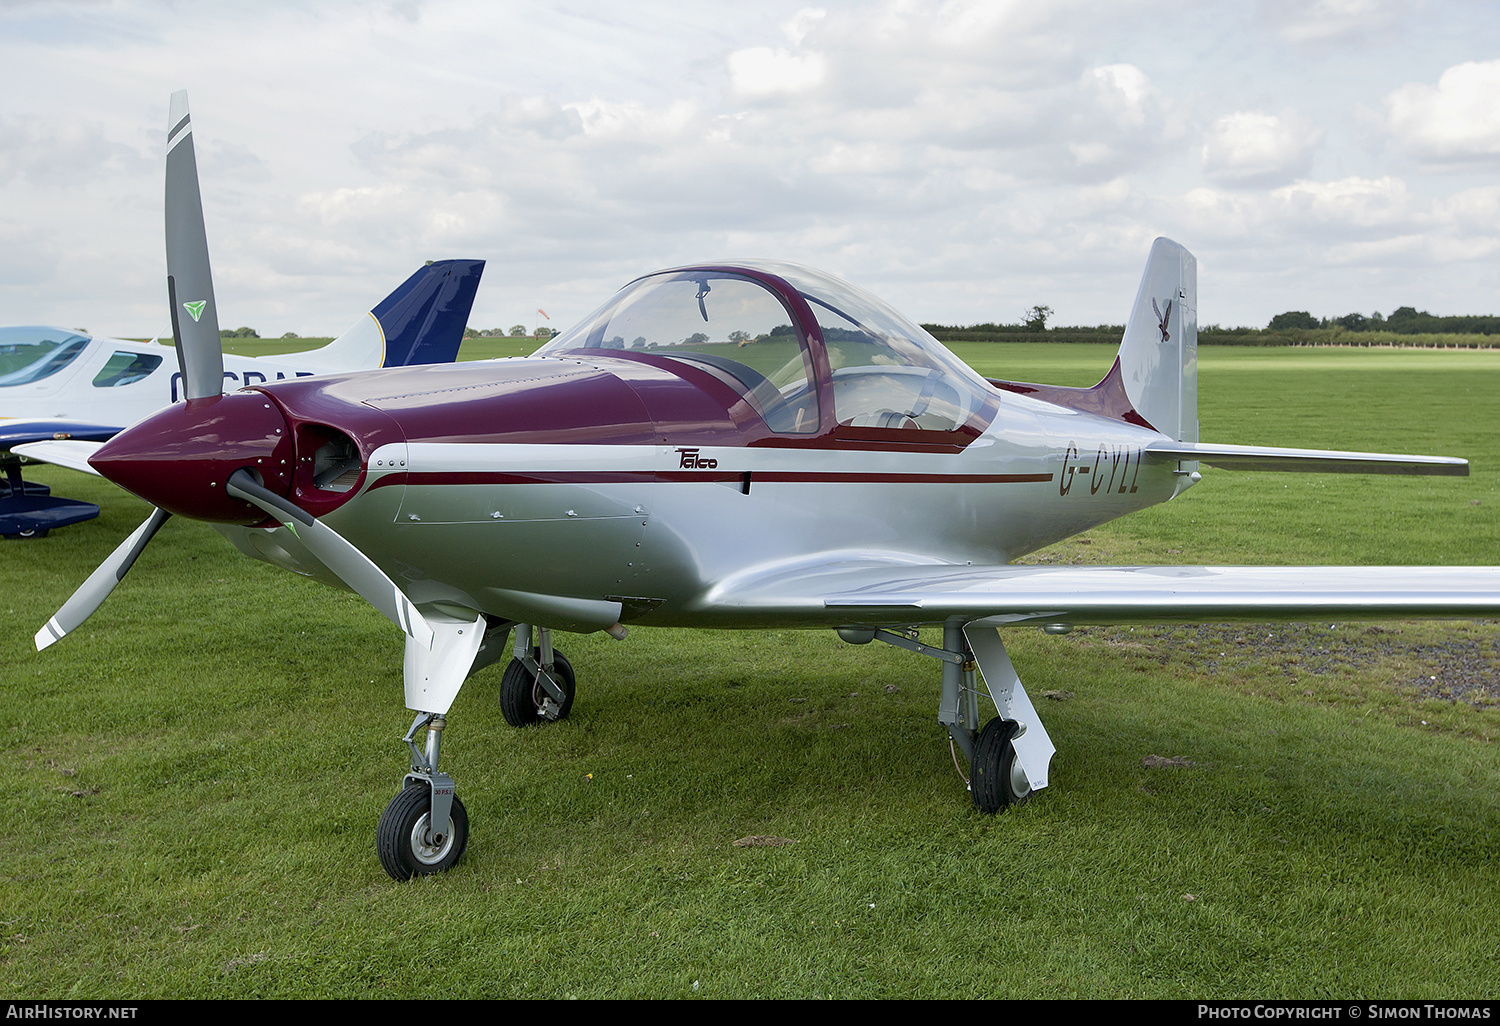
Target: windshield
{"points": [[30, 354], [730, 327]]}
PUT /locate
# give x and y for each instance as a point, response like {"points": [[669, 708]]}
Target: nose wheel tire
{"points": [[403, 839], [996, 779], [523, 700]]}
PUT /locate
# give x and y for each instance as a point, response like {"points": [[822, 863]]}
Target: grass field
{"points": [[191, 781]]}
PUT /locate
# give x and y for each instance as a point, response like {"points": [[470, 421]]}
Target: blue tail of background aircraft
{"points": [[424, 319]]}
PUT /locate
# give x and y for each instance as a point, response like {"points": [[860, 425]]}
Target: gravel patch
{"points": [[1462, 666]]}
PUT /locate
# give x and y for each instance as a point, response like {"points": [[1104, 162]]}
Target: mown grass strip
{"points": [[190, 782]]}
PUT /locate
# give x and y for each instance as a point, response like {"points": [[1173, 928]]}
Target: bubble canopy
{"points": [[772, 329]]}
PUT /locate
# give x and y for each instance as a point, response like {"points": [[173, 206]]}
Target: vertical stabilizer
{"points": [[422, 321], [1159, 354]]}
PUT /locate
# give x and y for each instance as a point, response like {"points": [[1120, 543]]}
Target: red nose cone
{"points": [[178, 459]]}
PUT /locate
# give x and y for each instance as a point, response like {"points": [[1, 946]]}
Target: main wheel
{"points": [[401, 838], [524, 702], [996, 779]]}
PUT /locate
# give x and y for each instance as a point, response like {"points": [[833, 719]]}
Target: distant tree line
{"points": [[1294, 327], [514, 331], [1405, 320]]}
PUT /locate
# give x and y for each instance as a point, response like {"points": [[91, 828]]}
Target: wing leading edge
{"points": [[880, 594], [71, 453]]}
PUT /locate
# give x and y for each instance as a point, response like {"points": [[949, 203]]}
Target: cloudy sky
{"points": [[964, 160]]}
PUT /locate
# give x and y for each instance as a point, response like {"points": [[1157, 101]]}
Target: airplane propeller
{"points": [[200, 356], [201, 360], [92, 593], [190, 280]]}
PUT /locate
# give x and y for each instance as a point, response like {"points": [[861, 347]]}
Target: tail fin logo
{"points": [[1163, 318], [195, 308]]}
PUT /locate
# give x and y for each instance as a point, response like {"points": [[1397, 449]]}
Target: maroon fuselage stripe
{"points": [[759, 477]]}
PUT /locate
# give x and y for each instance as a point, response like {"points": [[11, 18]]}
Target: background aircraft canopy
{"points": [[29, 354]]}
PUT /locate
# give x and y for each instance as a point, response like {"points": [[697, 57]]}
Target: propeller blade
{"points": [[92, 593], [352, 566], [190, 283]]}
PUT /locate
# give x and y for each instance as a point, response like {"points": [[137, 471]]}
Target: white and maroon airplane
{"points": [[747, 444]]}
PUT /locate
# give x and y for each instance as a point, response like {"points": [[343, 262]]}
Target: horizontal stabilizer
{"points": [[1322, 461]]}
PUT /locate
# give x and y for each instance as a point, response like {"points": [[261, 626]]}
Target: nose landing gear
{"points": [[425, 828]]}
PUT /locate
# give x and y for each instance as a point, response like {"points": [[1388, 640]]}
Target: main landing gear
{"points": [[425, 828], [1008, 758], [538, 684]]}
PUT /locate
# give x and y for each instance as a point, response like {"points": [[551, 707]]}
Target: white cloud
{"points": [[1322, 21], [1457, 120], [1323, 212], [1472, 211], [1122, 89], [28, 255], [760, 71], [800, 24], [61, 152], [1352, 203], [1252, 147]]}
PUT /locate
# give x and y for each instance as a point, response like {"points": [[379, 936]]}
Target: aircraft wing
{"points": [[851, 593], [1324, 461], [17, 432], [71, 453]]}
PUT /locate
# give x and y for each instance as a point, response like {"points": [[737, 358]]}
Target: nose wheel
{"points": [[425, 828], [406, 841]]}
